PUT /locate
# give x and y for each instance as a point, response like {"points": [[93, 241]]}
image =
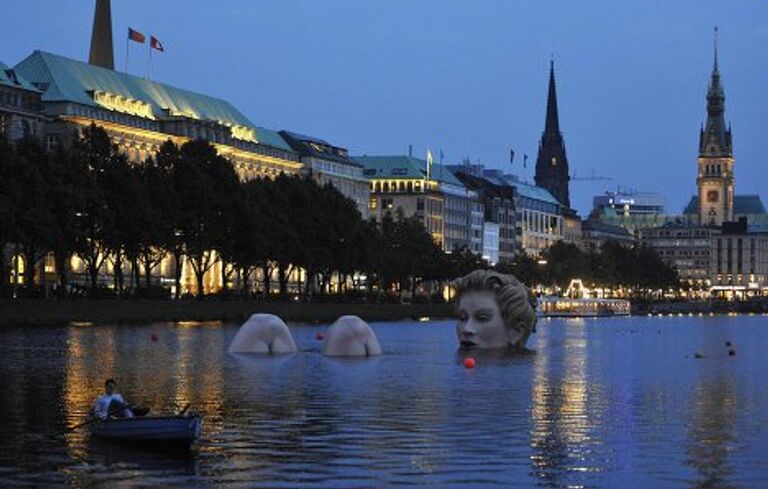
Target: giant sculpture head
{"points": [[263, 333], [495, 311], [350, 336]]}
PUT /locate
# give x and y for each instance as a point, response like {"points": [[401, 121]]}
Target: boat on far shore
{"points": [[578, 303], [584, 307]]}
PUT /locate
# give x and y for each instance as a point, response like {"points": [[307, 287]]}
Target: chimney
{"points": [[101, 38]]}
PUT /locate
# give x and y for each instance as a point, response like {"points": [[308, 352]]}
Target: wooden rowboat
{"points": [[161, 430]]}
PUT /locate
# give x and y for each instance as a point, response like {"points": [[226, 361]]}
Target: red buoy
{"points": [[154, 337], [469, 362], [319, 336]]}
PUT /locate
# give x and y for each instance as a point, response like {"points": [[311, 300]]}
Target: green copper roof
{"points": [[68, 80], [404, 167], [534, 192], [65, 79], [11, 78]]}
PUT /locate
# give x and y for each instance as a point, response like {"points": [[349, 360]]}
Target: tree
{"points": [[8, 199], [202, 179], [34, 217], [92, 155]]}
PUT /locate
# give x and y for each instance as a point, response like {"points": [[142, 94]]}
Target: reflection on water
{"points": [[711, 433], [601, 403]]}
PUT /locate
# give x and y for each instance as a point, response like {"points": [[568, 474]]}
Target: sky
{"points": [[465, 76]]}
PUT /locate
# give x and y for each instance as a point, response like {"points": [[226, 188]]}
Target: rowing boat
{"points": [[164, 430]]}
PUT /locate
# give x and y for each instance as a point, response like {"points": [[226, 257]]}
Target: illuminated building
{"points": [[629, 203], [739, 260], [327, 163], [441, 201], [141, 114]]}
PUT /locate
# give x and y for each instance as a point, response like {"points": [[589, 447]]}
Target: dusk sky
{"points": [[469, 77]]}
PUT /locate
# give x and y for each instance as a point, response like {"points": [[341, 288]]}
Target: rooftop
{"points": [[317, 148], [404, 167], [742, 205], [9, 77], [63, 79]]}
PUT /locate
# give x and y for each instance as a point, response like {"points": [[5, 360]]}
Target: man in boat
{"points": [[111, 403]]}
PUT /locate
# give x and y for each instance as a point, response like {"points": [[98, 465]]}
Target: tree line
{"points": [[187, 203], [638, 267]]}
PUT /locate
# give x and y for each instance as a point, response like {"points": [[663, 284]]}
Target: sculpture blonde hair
{"points": [[516, 302]]}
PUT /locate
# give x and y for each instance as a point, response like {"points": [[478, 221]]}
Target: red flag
{"points": [[155, 44], [136, 36]]}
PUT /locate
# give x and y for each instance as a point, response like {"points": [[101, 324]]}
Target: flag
{"points": [[154, 43], [511, 156], [136, 36], [429, 161], [525, 160]]}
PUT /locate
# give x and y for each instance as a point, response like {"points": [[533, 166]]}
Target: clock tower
{"points": [[715, 167]]}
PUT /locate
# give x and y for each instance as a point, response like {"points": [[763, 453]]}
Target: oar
{"points": [[183, 410]]}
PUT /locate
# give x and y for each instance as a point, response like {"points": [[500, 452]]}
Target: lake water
{"points": [[618, 402]]}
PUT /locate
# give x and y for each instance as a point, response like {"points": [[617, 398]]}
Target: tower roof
{"points": [[552, 125], [715, 139], [102, 52]]}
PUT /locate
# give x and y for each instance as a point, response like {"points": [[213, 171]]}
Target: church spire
{"points": [[552, 125], [552, 163], [102, 52]]}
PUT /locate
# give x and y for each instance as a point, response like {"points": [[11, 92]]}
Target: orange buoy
{"points": [[469, 362], [319, 336]]}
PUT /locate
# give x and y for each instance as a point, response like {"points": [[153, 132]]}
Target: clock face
{"points": [[554, 161], [712, 196]]}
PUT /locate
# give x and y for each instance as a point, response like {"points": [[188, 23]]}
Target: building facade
{"points": [[686, 247], [441, 201], [739, 261], [501, 231]]}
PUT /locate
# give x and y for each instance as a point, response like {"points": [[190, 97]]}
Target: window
{"points": [[373, 203]]}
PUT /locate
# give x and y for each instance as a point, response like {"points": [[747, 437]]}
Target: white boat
{"points": [[584, 307]]}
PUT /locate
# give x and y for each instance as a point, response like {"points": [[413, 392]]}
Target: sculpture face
{"points": [[480, 322], [350, 336], [263, 333]]}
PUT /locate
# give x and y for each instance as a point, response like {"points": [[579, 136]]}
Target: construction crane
{"points": [[594, 177]]}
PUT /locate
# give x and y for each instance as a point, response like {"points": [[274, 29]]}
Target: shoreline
{"points": [[32, 312]]}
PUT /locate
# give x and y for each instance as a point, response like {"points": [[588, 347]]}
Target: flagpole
{"points": [[127, 51], [150, 60]]}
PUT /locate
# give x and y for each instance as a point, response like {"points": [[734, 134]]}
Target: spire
{"points": [[715, 138], [553, 123], [552, 162], [101, 36]]}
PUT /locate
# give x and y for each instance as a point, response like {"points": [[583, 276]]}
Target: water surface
{"points": [[618, 402]]}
